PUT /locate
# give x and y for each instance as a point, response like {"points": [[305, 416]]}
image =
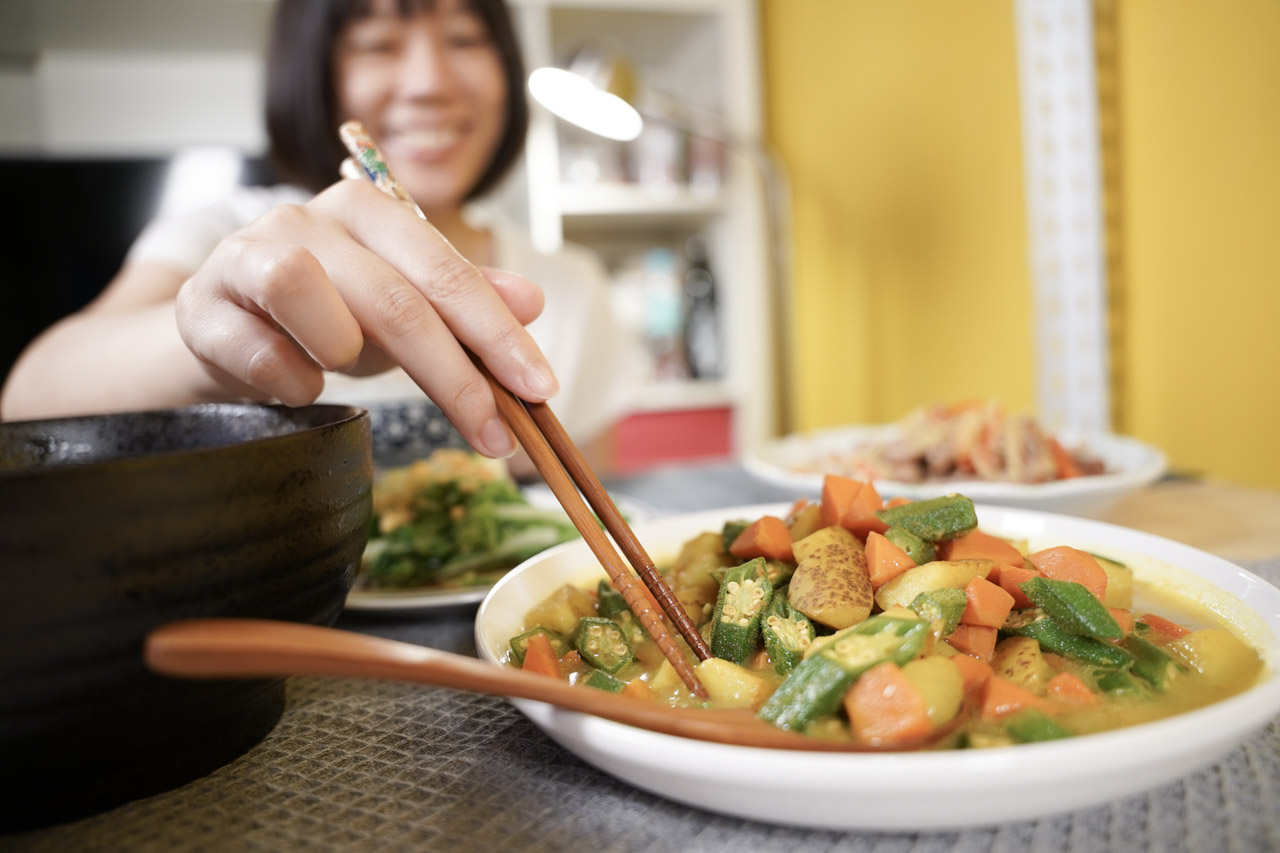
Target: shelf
{"points": [[683, 395], [626, 204]]}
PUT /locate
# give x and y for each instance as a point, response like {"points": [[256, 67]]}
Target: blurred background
{"points": [[837, 211]]}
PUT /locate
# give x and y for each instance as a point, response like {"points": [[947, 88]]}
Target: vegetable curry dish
{"points": [[898, 625]]}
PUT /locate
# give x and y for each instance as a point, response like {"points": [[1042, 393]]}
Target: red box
{"points": [[647, 439]]}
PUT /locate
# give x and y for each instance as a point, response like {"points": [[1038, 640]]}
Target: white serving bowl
{"points": [[793, 462], [922, 790]]}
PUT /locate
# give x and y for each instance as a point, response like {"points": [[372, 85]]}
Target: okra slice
{"points": [[942, 608], [913, 546], [735, 626], [779, 572], [818, 683], [731, 531], [604, 681], [1115, 681], [602, 643], [787, 633], [1073, 607], [609, 602], [1052, 637], [1030, 725], [938, 519], [1150, 662], [520, 643]]}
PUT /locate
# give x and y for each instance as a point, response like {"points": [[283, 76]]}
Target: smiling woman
{"points": [[303, 290]]}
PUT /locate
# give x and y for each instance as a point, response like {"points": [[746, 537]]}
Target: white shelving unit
{"points": [[705, 54]]}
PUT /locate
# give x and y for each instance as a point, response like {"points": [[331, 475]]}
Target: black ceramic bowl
{"points": [[111, 525]]}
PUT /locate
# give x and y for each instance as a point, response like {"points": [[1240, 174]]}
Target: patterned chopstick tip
{"points": [[365, 155]]}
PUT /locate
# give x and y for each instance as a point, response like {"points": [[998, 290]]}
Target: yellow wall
{"points": [[900, 124], [1200, 131]]}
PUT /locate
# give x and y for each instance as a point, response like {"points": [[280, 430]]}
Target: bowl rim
{"points": [[343, 415], [631, 754]]}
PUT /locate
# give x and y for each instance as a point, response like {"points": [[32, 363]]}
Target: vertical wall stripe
{"points": [[1064, 204]]}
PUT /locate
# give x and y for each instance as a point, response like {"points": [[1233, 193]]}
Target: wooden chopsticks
{"points": [[565, 471]]}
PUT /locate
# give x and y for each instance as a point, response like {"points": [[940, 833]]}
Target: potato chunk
{"points": [[733, 686], [831, 584], [938, 574], [1219, 657]]}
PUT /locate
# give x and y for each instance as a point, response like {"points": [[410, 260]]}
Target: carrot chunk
{"points": [[979, 545], [1160, 625], [852, 504], [1067, 466], [637, 688], [1001, 697], [973, 672], [1069, 687], [539, 657], [885, 560], [767, 537], [1065, 563], [1010, 577], [1123, 618], [976, 640], [885, 708], [986, 604], [838, 494]]}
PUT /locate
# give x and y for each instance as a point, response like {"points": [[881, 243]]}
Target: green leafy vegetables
{"points": [[455, 519]]}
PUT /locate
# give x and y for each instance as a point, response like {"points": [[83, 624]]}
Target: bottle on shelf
{"points": [[703, 345], [664, 315]]}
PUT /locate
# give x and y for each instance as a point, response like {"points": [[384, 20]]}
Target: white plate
{"points": [[925, 790], [792, 461], [431, 598]]}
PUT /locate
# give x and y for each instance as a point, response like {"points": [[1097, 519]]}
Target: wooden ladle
{"points": [[257, 648]]}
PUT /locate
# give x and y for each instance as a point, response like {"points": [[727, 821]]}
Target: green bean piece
{"points": [[817, 685], [913, 546], [942, 608], [1073, 607], [1030, 725], [1052, 637], [520, 643], [604, 681], [938, 519]]}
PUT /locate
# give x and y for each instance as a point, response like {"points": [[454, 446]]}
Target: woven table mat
{"points": [[380, 766]]}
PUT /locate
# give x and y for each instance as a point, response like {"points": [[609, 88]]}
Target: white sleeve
{"points": [[184, 241], [598, 360]]}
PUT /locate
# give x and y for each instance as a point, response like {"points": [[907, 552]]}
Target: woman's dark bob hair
{"points": [[302, 121]]}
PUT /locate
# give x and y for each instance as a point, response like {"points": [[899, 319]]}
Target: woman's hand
{"points": [[353, 282]]}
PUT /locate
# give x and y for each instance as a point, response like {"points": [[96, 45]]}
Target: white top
{"points": [[597, 359]]}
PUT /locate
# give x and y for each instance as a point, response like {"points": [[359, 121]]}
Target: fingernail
{"points": [[541, 380], [496, 439]]}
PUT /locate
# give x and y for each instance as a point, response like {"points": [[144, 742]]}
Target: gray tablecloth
{"points": [[361, 765]]}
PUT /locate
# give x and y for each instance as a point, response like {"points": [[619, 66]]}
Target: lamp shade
{"points": [[594, 92]]}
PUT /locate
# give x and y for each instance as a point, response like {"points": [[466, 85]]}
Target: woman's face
{"points": [[431, 91]]}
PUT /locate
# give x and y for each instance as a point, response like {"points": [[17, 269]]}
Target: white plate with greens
{"points": [[440, 596]]}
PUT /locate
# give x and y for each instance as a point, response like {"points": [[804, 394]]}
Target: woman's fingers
{"points": [[246, 353], [471, 307], [350, 281], [525, 299]]}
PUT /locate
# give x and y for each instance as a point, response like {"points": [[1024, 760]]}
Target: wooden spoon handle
{"points": [[256, 648]]}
